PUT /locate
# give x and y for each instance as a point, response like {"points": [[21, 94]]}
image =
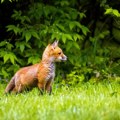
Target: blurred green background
{"points": [[88, 32]]}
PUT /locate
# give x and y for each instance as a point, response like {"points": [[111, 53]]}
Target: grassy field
{"points": [[87, 102]]}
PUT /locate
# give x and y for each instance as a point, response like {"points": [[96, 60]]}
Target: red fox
{"points": [[40, 75]]}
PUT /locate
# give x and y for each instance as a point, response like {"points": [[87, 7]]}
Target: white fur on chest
{"points": [[51, 73]]}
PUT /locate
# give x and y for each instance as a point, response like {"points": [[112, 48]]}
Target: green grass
{"points": [[87, 102]]}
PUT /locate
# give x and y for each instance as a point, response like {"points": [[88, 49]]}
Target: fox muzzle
{"points": [[64, 58]]}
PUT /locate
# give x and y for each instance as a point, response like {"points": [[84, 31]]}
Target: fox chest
{"points": [[51, 72], [46, 73]]}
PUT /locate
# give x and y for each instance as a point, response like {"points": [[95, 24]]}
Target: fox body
{"points": [[40, 75]]}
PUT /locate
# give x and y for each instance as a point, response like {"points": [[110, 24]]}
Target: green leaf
{"points": [[116, 13], [25, 18], [9, 46], [74, 15], [27, 45], [2, 1], [77, 36], [82, 15], [46, 10], [35, 34], [69, 45], [77, 24], [5, 73], [76, 45], [71, 25], [84, 29], [64, 3], [2, 53], [6, 57], [108, 11], [64, 38], [33, 59], [3, 43], [12, 58], [61, 27], [68, 36], [16, 30], [27, 36], [71, 60], [53, 36], [22, 47], [10, 27]]}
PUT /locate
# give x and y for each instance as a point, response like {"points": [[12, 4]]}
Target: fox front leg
{"points": [[41, 88], [48, 87], [45, 88]]}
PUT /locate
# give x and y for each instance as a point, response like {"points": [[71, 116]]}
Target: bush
{"points": [[84, 33]]}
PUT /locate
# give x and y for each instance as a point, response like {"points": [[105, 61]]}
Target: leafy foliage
{"points": [[86, 32]]}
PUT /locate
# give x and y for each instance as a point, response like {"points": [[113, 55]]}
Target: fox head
{"points": [[53, 53]]}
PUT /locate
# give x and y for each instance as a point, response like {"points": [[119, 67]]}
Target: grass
{"points": [[87, 102]]}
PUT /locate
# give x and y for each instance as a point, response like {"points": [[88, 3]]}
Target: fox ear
{"points": [[55, 44]]}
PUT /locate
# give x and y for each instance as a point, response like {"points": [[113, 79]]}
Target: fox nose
{"points": [[64, 58]]}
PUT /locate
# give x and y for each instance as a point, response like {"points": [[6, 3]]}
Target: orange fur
{"points": [[40, 75]]}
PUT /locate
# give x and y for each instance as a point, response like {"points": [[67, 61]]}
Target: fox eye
{"points": [[59, 53]]}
